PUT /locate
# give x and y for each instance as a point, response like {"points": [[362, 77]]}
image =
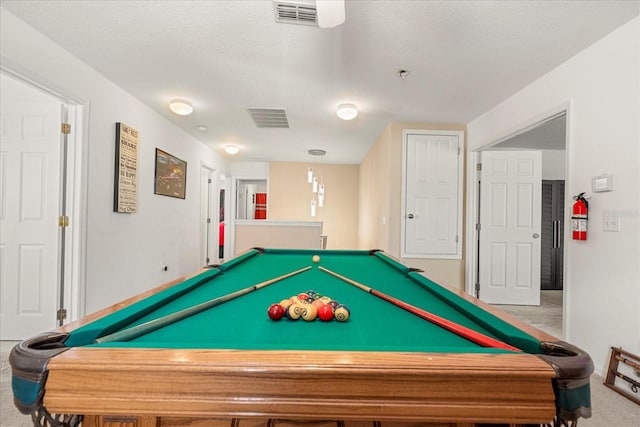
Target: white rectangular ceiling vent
{"points": [[269, 117], [296, 12]]}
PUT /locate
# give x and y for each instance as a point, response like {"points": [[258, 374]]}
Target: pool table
{"points": [[231, 364]]}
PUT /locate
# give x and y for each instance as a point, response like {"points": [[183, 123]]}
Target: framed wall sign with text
{"points": [[125, 191]]}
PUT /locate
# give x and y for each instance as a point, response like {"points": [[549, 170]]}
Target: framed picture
{"points": [[171, 175], [125, 189]]}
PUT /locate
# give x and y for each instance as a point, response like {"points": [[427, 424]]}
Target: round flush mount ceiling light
{"points": [[181, 107], [347, 111], [231, 149]]}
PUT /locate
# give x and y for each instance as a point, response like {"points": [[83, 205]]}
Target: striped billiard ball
{"points": [[342, 313]]}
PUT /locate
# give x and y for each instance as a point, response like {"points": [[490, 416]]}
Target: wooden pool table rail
{"points": [[425, 387]]}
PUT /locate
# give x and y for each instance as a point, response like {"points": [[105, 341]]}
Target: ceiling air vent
{"points": [[269, 117], [296, 12]]}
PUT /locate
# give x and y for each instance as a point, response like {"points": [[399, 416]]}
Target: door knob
{"points": [[535, 235], [410, 216]]}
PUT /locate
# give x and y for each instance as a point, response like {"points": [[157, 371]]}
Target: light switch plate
{"points": [[611, 221]]}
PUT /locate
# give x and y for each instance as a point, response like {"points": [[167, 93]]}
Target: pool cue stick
{"points": [[463, 331], [152, 325]]}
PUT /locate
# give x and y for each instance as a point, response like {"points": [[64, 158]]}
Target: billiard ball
{"points": [[310, 312], [325, 313], [317, 303], [333, 303], [275, 312], [303, 297], [315, 258], [342, 313], [293, 312], [286, 303]]}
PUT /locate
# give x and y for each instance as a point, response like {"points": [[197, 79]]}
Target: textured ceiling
{"points": [[463, 58]]}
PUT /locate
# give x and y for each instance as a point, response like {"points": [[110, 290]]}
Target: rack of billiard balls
{"points": [[309, 306]]}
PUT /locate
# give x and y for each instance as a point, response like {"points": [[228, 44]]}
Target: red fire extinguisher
{"points": [[579, 217]]}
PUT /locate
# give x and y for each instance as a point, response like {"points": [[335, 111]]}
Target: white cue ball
{"points": [[315, 258]]}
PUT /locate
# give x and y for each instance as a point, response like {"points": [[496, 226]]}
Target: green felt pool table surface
{"points": [[374, 324]]}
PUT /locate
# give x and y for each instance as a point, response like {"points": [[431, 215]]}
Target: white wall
{"points": [[125, 252], [253, 170], [554, 164], [602, 289]]}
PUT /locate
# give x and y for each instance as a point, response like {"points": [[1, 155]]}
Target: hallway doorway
{"points": [[549, 136]]}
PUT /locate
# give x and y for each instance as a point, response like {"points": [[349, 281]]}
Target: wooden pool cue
{"points": [[152, 325], [463, 331]]}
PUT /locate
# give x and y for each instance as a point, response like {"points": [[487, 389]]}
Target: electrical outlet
{"points": [[611, 221]]}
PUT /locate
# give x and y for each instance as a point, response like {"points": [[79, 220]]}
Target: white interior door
{"points": [[510, 227], [433, 195], [29, 205]]}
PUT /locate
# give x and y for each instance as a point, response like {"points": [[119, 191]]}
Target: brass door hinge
{"points": [[63, 221], [66, 128], [61, 314]]}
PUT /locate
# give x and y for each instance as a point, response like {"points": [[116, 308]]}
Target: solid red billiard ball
{"points": [[325, 313], [275, 312]]}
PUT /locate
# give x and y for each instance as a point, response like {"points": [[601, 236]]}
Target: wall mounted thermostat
{"points": [[602, 183]]}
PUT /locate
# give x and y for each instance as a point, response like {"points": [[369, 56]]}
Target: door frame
{"points": [[208, 197], [77, 115], [472, 209]]}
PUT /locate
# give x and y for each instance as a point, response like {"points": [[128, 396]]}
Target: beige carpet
{"points": [[609, 408]]}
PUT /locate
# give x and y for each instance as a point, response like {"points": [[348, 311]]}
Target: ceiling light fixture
{"points": [[317, 184], [231, 149], [347, 111], [330, 13], [181, 107]]}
